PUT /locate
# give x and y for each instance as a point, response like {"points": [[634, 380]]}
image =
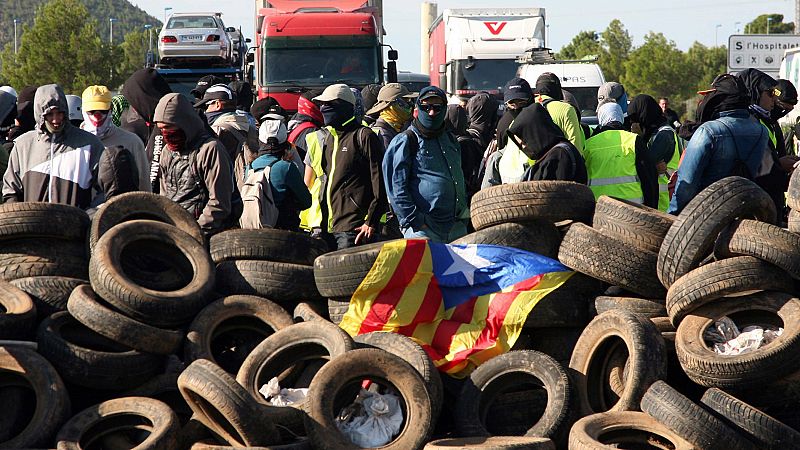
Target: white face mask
{"points": [[97, 129]]}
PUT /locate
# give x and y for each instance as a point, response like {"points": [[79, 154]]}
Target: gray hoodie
{"points": [[55, 168]]}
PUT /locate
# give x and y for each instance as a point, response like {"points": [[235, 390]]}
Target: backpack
{"points": [[259, 209]]}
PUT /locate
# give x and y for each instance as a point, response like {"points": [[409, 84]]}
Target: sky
{"points": [[683, 21]]}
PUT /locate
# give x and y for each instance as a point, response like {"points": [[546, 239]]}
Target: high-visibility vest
{"points": [[672, 166], [312, 217], [772, 138], [611, 165], [513, 163]]}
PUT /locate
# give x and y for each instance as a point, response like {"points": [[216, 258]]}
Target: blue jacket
{"points": [[426, 188], [285, 179], [712, 153]]}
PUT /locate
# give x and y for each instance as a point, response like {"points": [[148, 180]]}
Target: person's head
{"points": [[266, 105], [517, 94], [394, 97], [308, 108], [785, 99], [456, 120], [760, 87], [645, 114], [218, 97], [727, 93], [178, 122], [612, 92], [549, 84], [370, 95], [273, 135], [243, 93], [143, 90], [96, 108], [663, 102], [337, 105], [534, 131], [10, 90], [8, 112], [609, 113], [431, 108], [50, 109], [204, 83], [75, 107]]}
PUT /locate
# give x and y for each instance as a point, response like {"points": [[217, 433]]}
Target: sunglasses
{"points": [[435, 108], [402, 103]]}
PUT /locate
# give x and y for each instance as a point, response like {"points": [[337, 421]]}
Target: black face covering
{"points": [[645, 111], [778, 112], [337, 114], [536, 129]]}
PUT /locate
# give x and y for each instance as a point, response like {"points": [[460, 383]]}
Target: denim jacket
{"points": [[712, 153]]}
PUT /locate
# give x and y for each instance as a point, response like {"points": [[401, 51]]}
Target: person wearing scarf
{"points": [[393, 107], [308, 119], [423, 175]]}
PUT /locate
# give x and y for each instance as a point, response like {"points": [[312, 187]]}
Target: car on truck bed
{"points": [[195, 37]]}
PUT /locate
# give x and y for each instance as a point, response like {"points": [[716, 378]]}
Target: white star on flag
{"points": [[466, 262]]}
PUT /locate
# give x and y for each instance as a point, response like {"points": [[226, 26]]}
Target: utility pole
{"points": [[111, 21], [796, 16], [16, 21], [769, 20], [716, 35]]}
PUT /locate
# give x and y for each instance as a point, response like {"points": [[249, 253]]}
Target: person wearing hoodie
{"points": [[370, 95], [143, 90], [8, 115], [551, 156], [307, 120], [97, 120], [394, 108], [55, 163], [25, 121], [195, 170], [550, 95], [423, 176], [482, 122], [517, 95]]}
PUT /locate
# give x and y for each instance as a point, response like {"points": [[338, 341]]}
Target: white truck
{"points": [[474, 50]]}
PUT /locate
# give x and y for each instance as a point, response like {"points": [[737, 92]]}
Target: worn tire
{"points": [[764, 241], [17, 313], [769, 433], [339, 273], [638, 225], [538, 237], [308, 311], [285, 284], [86, 428], [42, 220], [174, 248], [505, 373], [267, 244], [492, 443], [255, 315], [793, 192], [337, 308], [22, 258], [691, 238], [87, 308], [142, 206], [722, 278], [588, 251], [642, 306], [623, 429], [794, 221], [550, 201], [224, 406], [49, 294], [691, 421], [52, 407], [647, 361], [567, 306], [345, 373], [85, 358], [766, 364], [300, 443]]}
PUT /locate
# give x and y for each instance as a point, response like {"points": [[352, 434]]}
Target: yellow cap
{"points": [[96, 98]]}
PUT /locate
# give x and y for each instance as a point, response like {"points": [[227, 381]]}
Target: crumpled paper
{"points": [[276, 396], [729, 341]]}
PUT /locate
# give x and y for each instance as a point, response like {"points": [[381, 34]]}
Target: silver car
{"points": [[194, 37]]}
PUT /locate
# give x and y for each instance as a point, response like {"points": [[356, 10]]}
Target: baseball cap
{"points": [[204, 83], [265, 107], [431, 91], [215, 92], [9, 89], [517, 89], [273, 128], [96, 98], [337, 92], [390, 93]]}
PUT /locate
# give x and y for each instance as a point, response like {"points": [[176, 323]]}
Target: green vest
{"points": [[672, 166], [772, 138], [611, 165]]}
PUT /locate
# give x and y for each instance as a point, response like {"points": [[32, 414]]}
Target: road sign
{"points": [[759, 51]]}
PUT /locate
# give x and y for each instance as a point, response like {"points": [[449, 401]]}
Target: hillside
{"points": [[129, 17]]}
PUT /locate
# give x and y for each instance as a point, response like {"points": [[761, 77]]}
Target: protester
{"points": [[233, 128], [787, 100], [195, 170], [118, 172], [75, 110], [25, 121], [612, 92], [307, 120], [517, 94], [393, 108], [469, 144], [56, 162], [118, 106], [672, 117], [482, 121], [423, 175], [203, 84], [370, 95], [8, 114], [548, 93]]}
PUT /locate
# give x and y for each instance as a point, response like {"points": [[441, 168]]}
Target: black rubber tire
{"points": [[538, 237], [22, 258], [85, 358], [642, 306], [17, 313], [257, 315], [691, 421], [691, 238], [285, 284], [42, 220], [225, 407], [267, 244], [49, 294], [794, 221], [52, 406], [308, 311], [638, 225], [550, 201], [764, 241], [164, 388], [88, 427], [337, 308], [623, 429], [568, 305], [505, 373], [412, 353], [138, 206], [338, 274], [793, 192], [768, 432], [766, 364], [722, 278], [343, 373], [647, 361], [492, 443], [161, 308], [300, 443], [90, 310], [558, 343], [588, 251]]}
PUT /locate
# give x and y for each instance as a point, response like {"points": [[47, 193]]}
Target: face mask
{"points": [[778, 112], [337, 115], [396, 116], [431, 122], [97, 124], [175, 139]]}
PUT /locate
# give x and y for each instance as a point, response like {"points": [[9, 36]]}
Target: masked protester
{"points": [[787, 101], [8, 114], [394, 107], [370, 95], [550, 95], [517, 94], [423, 175], [56, 162], [308, 119], [347, 158], [25, 121], [98, 121]]}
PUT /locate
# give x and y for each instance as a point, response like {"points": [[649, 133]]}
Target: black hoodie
{"points": [[482, 114], [645, 111]]}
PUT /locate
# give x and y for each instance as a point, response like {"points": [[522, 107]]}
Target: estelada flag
{"points": [[463, 303]]}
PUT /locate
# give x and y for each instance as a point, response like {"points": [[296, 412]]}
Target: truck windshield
{"points": [[485, 74], [587, 99], [320, 66]]}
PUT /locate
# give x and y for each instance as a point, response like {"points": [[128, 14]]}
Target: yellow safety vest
{"points": [[312, 217], [611, 165], [772, 138], [672, 166]]}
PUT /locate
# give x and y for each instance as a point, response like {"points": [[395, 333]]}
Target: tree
{"points": [[61, 47], [704, 64], [657, 68], [776, 25], [618, 45], [134, 52], [585, 44]]}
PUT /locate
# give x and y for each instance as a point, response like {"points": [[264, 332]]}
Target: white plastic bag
{"points": [[375, 423], [729, 341], [281, 397]]}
